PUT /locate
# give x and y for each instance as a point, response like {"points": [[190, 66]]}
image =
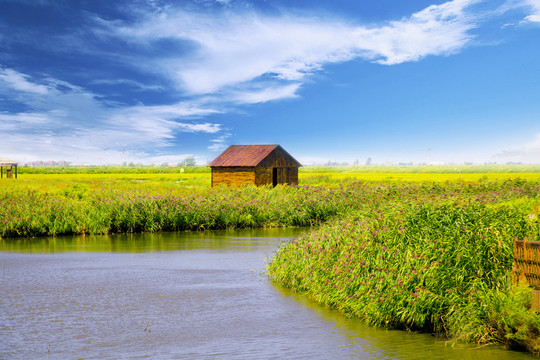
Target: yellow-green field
{"points": [[329, 178], [152, 183], [174, 181]]}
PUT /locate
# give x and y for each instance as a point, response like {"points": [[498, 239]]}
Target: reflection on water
{"points": [[377, 343], [198, 295], [150, 242]]}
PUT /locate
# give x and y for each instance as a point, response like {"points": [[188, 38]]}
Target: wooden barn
{"points": [[254, 164]]}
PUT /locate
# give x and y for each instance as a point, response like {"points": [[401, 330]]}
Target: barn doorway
{"points": [[274, 177]]}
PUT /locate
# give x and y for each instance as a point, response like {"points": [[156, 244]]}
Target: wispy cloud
{"points": [[437, 30], [18, 81], [528, 153], [126, 82], [229, 50], [269, 93], [220, 143], [22, 118], [66, 121], [534, 6]]}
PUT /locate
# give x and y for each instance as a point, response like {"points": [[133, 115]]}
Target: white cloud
{"points": [[183, 109], [232, 49], [266, 94], [436, 30], [73, 124], [534, 6], [528, 153], [219, 143], [78, 148], [201, 127], [127, 82], [532, 18], [17, 81], [23, 118]]}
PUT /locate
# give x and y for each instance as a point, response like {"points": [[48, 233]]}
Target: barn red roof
{"points": [[247, 155]]}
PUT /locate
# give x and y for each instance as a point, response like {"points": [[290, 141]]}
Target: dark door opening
{"points": [[274, 176]]}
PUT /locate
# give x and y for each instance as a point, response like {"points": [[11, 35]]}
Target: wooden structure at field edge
{"points": [[10, 168], [527, 265], [256, 165]]}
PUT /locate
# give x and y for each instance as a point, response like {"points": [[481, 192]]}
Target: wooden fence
{"points": [[527, 262]]}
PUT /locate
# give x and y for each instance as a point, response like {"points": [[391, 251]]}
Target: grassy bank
{"points": [[439, 264], [158, 202], [78, 211]]}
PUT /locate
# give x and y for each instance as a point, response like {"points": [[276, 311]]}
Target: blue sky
{"points": [[106, 82]]}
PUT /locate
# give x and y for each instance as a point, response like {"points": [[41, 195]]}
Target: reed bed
{"points": [[128, 206], [436, 260], [78, 211]]}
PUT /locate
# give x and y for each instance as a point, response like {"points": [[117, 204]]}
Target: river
{"points": [[180, 296]]}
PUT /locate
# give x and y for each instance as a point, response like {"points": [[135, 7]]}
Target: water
{"points": [[180, 296]]}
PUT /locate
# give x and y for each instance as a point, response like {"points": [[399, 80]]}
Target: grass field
{"points": [[162, 180], [316, 178], [159, 183]]}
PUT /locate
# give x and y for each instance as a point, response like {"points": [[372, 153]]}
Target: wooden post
{"points": [[535, 300]]}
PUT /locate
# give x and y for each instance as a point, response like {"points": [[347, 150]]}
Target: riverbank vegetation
{"points": [[36, 205], [81, 210], [436, 260], [424, 254], [442, 268]]}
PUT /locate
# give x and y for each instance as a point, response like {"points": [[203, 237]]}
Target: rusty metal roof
{"points": [[246, 155], [243, 155]]}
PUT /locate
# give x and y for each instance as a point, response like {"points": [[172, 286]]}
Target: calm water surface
{"points": [[198, 295]]}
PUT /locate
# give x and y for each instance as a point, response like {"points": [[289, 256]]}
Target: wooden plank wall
{"points": [[293, 176], [263, 176], [282, 175], [527, 262], [233, 176], [278, 159], [287, 176], [237, 176]]}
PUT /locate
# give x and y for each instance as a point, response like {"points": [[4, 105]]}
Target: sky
{"points": [[152, 81]]}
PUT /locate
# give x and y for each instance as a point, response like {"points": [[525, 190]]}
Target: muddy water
{"points": [[179, 296]]}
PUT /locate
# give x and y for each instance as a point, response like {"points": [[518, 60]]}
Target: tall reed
{"points": [[431, 267], [79, 208]]}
